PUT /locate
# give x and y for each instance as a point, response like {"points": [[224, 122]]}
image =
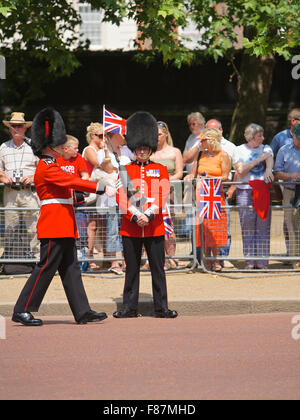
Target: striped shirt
{"points": [[13, 157]]}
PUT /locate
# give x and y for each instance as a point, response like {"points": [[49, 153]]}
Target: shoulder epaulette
{"points": [[48, 159]]}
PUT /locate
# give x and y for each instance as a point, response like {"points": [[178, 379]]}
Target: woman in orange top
{"points": [[214, 162]]}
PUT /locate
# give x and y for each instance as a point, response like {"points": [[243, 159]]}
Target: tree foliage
{"points": [[47, 32], [267, 27], [260, 29], [37, 39], [6, 6]]}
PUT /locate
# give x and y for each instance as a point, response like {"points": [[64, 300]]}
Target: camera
{"points": [[17, 176]]}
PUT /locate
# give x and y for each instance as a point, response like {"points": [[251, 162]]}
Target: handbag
{"points": [[275, 193]]}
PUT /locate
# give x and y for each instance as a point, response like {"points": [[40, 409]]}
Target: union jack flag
{"points": [[113, 123], [168, 223], [209, 199]]}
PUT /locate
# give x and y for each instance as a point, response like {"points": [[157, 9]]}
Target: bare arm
{"points": [[243, 168], [91, 156], [226, 166], [178, 166], [106, 165], [5, 179], [269, 177], [191, 155], [285, 176]]}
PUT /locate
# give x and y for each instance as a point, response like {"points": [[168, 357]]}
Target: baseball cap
{"points": [[296, 131]]}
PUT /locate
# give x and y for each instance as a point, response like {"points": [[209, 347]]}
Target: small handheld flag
{"points": [[112, 123], [209, 199], [168, 223]]}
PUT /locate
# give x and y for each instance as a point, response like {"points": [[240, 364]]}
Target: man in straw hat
{"points": [[17, 168], [142, 221], [56, 226]]}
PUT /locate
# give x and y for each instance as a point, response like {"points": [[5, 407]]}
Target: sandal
{"points": [[93, 266], [172, 263], [116, 270]]}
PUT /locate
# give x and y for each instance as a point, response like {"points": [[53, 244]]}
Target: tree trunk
{"points": [[254, 84]]}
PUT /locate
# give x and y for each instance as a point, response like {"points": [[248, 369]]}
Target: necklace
{"points": [[209, 154]]}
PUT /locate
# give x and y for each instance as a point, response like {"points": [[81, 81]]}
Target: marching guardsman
{"points": [[56, 227], [142, 221]]}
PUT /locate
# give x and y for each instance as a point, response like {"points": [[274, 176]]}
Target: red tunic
{"points": [[57, 220], [153, 181]]}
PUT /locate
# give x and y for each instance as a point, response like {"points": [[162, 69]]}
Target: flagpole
{"points": [[103, 116]]}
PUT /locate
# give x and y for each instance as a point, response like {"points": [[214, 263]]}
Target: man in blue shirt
{"points": [[285, 136], [287, 168], [280, 139]]}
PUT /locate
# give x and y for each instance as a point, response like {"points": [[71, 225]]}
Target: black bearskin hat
{"points": [[48, 129], [142, 131]]}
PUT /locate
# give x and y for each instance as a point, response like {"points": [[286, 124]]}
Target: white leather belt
{"points": [[57, 201]]}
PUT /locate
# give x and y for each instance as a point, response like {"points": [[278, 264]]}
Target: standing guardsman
{"points": [[142, 221], [56, 227]]}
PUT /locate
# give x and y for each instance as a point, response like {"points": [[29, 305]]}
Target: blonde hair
{"points": [[213, 136], [165, 129], [92, 129], [71, 140]]}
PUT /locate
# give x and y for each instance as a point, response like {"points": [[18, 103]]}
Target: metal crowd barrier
{"points": [[276, 242], [17, 238], [15, 244]]}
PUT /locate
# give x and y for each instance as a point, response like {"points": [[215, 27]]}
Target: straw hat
{"points": [[17, 118]]}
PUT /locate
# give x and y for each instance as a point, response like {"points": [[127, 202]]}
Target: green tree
{"points": [[6, 6], [268, 28], [37, 39]]}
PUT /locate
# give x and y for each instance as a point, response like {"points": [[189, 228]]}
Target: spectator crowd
{"points": [[253, 166]]}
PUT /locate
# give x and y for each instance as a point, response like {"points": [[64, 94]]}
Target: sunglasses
{"points": [[162, 124], [99, 135], [17, 125]]}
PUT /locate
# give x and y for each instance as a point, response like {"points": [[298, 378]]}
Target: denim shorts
{"points": [[113, 238]]}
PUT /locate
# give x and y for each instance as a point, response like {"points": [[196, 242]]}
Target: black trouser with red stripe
{"points": [[56, 254], [132, 248]]}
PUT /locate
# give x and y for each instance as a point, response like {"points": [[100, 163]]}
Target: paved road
{"points": [[233, 357]]}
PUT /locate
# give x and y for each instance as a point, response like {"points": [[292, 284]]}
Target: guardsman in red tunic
{"points": [[142, 221], [56, 226]]}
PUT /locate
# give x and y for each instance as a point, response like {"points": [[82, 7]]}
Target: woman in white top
{"points": [[253, 161], [113, 143], [94, 138]]}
